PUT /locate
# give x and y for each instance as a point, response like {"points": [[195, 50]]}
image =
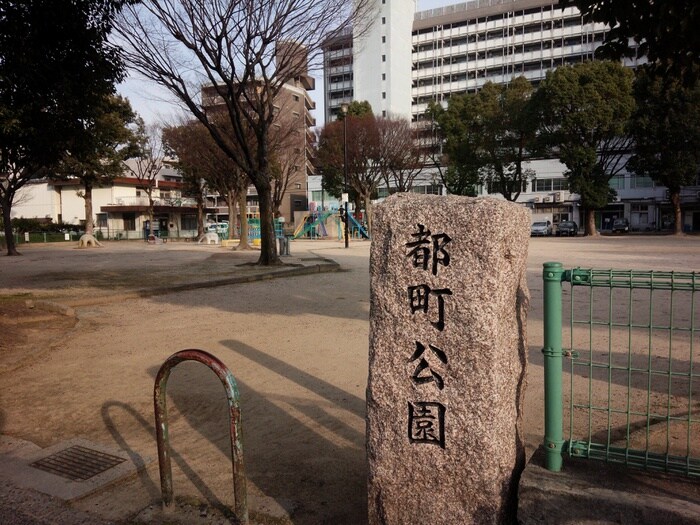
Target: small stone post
{"points": [[447, 360]]}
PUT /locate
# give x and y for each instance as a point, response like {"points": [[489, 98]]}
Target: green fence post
{"points": [[553, 414]]}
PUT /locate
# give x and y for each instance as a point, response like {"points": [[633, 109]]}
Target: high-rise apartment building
{"points": [[375, 62], [337, 73], [382, 59], [457, 49], [452, 50]]}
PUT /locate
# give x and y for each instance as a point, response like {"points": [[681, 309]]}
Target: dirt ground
{"points": [[297, 347]]}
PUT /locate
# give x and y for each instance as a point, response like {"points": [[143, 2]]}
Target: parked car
{"points": [[567, 228], [541, 228], [217, 227], [621, 225]]}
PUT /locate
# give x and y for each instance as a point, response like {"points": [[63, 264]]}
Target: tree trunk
{"points": [[150, 212], [676, 201], [89, 226], [231, 202], [368, 214], [590, 223], [9, 235], [200, 215], [268, 248], [243, 210]]}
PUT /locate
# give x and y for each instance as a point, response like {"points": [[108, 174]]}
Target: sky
{"points": [[157, 106]]}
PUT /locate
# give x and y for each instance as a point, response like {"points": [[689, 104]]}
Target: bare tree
{"points": [[225, 177], [246, 50], [177, 144], [400, 158], [431, 140], [200, 159], [364, 169], [360, 135], [147, 162]]}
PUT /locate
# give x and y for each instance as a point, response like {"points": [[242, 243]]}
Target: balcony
{"points": [[308, 82], [310, 104], [310, 136], [310, 121], [143, 201]]}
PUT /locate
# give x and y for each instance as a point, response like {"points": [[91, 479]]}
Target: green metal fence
{"points": [[632, 394]]}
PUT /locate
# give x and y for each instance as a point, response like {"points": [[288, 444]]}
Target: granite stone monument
{"points": [[447, 360]]}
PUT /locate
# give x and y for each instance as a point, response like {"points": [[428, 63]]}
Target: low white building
{"points": [[120, 207]]}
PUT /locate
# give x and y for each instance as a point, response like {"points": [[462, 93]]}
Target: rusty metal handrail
{"points": [[159, 399]]}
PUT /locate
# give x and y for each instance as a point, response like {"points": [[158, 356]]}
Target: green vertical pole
{"points": [[552, 274]]}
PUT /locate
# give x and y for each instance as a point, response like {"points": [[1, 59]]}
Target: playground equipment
{"points": [[357, 229], [313, 225]]}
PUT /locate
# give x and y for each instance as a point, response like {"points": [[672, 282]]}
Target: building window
{"points": [[189, 222], [383, 94], [129, 221], [542, 185], [384, 113], [617, 182], [637, 181], [383, 40], [101, 220], [558, 184], [432, 189], [383, 58], [383, 20], [383, 76]]}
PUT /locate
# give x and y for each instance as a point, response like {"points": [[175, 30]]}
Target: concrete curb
{"points": [[589, 492]]}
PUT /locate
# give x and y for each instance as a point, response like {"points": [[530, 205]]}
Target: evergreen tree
{"points": [[56, 67]]}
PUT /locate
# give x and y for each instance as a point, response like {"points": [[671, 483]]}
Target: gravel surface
{"points": [[296, 345]]}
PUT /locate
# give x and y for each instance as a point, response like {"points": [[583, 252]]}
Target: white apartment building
{"points": [[120, 207], [457, 49], [382, 59], [376, 63]]}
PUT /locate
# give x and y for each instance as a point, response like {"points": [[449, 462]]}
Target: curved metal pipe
{"points": [[163, 440]]}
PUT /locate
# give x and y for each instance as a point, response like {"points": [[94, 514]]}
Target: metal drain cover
{"points": [[77, 463]]}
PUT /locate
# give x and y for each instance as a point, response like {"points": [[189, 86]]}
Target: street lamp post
{"points": [[344, 109]]}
